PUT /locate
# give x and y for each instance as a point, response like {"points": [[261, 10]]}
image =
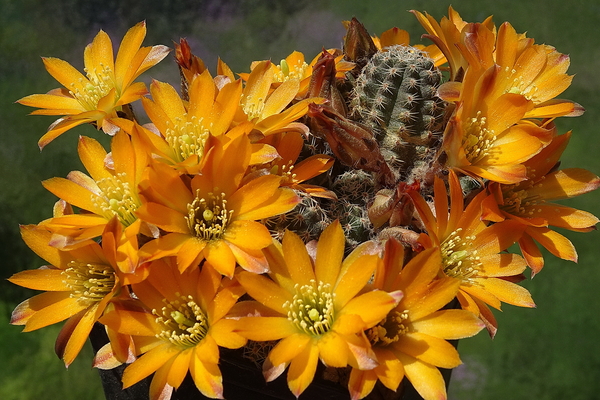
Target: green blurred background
{"points": [[552, 352]]}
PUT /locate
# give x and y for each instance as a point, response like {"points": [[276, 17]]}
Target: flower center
{"points": [[187, 137], [389, 329], [117, 199], [89, 283], [518, 85], [459, 260], [208, 217], [285, 71], [183, 321], [311, 309], [478, 139], [101, 81], [253, 108], [518, 200], [285, 171]]}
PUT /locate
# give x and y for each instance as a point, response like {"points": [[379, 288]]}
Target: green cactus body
{"points": [[395, 96]]}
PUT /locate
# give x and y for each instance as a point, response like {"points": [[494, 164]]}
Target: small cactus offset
{"points": [[395, 96]]}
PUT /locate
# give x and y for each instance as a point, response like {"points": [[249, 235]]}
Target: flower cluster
{"points": [[356, 211]]}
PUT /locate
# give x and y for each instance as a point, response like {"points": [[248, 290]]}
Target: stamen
{"points": [[478, 139], [183, 321], [117, 199], [311, 308], [389, 330], [285, 71], [253, 108], [459, 260], [187, 137], [89, 283], [100, 82], [208, 217]]}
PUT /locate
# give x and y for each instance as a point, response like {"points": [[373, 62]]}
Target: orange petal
{"points": [[330, 252], [266, 328], [148, 363], [429, 349], [333, 350], [302, 370], [265, 291], [207, 377], [449, 324], [41, 279]]}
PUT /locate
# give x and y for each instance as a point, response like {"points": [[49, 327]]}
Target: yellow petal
{"points": [[372, 306], [297, 259], [179, 367]]}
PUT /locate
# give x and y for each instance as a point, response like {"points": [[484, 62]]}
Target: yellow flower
{"points": [[411, 340], [471, 251], [78, 286], [178, 325], [107, 86], [530, 204], [214, 214], [314, 306]]}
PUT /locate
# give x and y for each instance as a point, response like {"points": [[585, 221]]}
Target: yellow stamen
{"points": [[459, 260], [389, 330], [89, 283], [311, 308], [183, 321], [208, 216], [117, 198], [187, 137], [478, 139]]}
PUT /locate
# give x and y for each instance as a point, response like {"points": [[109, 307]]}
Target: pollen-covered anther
{"points": [[183, 321], [253, 108], [117, 198], [100, 82], [89, 283], [390, 329], [519, 201], [311, 308], [284, 71], [459, 259], [187, 137], [478, 139], [208, 216]]}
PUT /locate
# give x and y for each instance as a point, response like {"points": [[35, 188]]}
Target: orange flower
{"points": [[99, 96], [411, 340], [486, 136], [314, 306], [178, 325], [78, 286], [530, 204], [214, 214], [270, 110], [447, 36], [288, 146], [470, 251], [185, 127]]}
